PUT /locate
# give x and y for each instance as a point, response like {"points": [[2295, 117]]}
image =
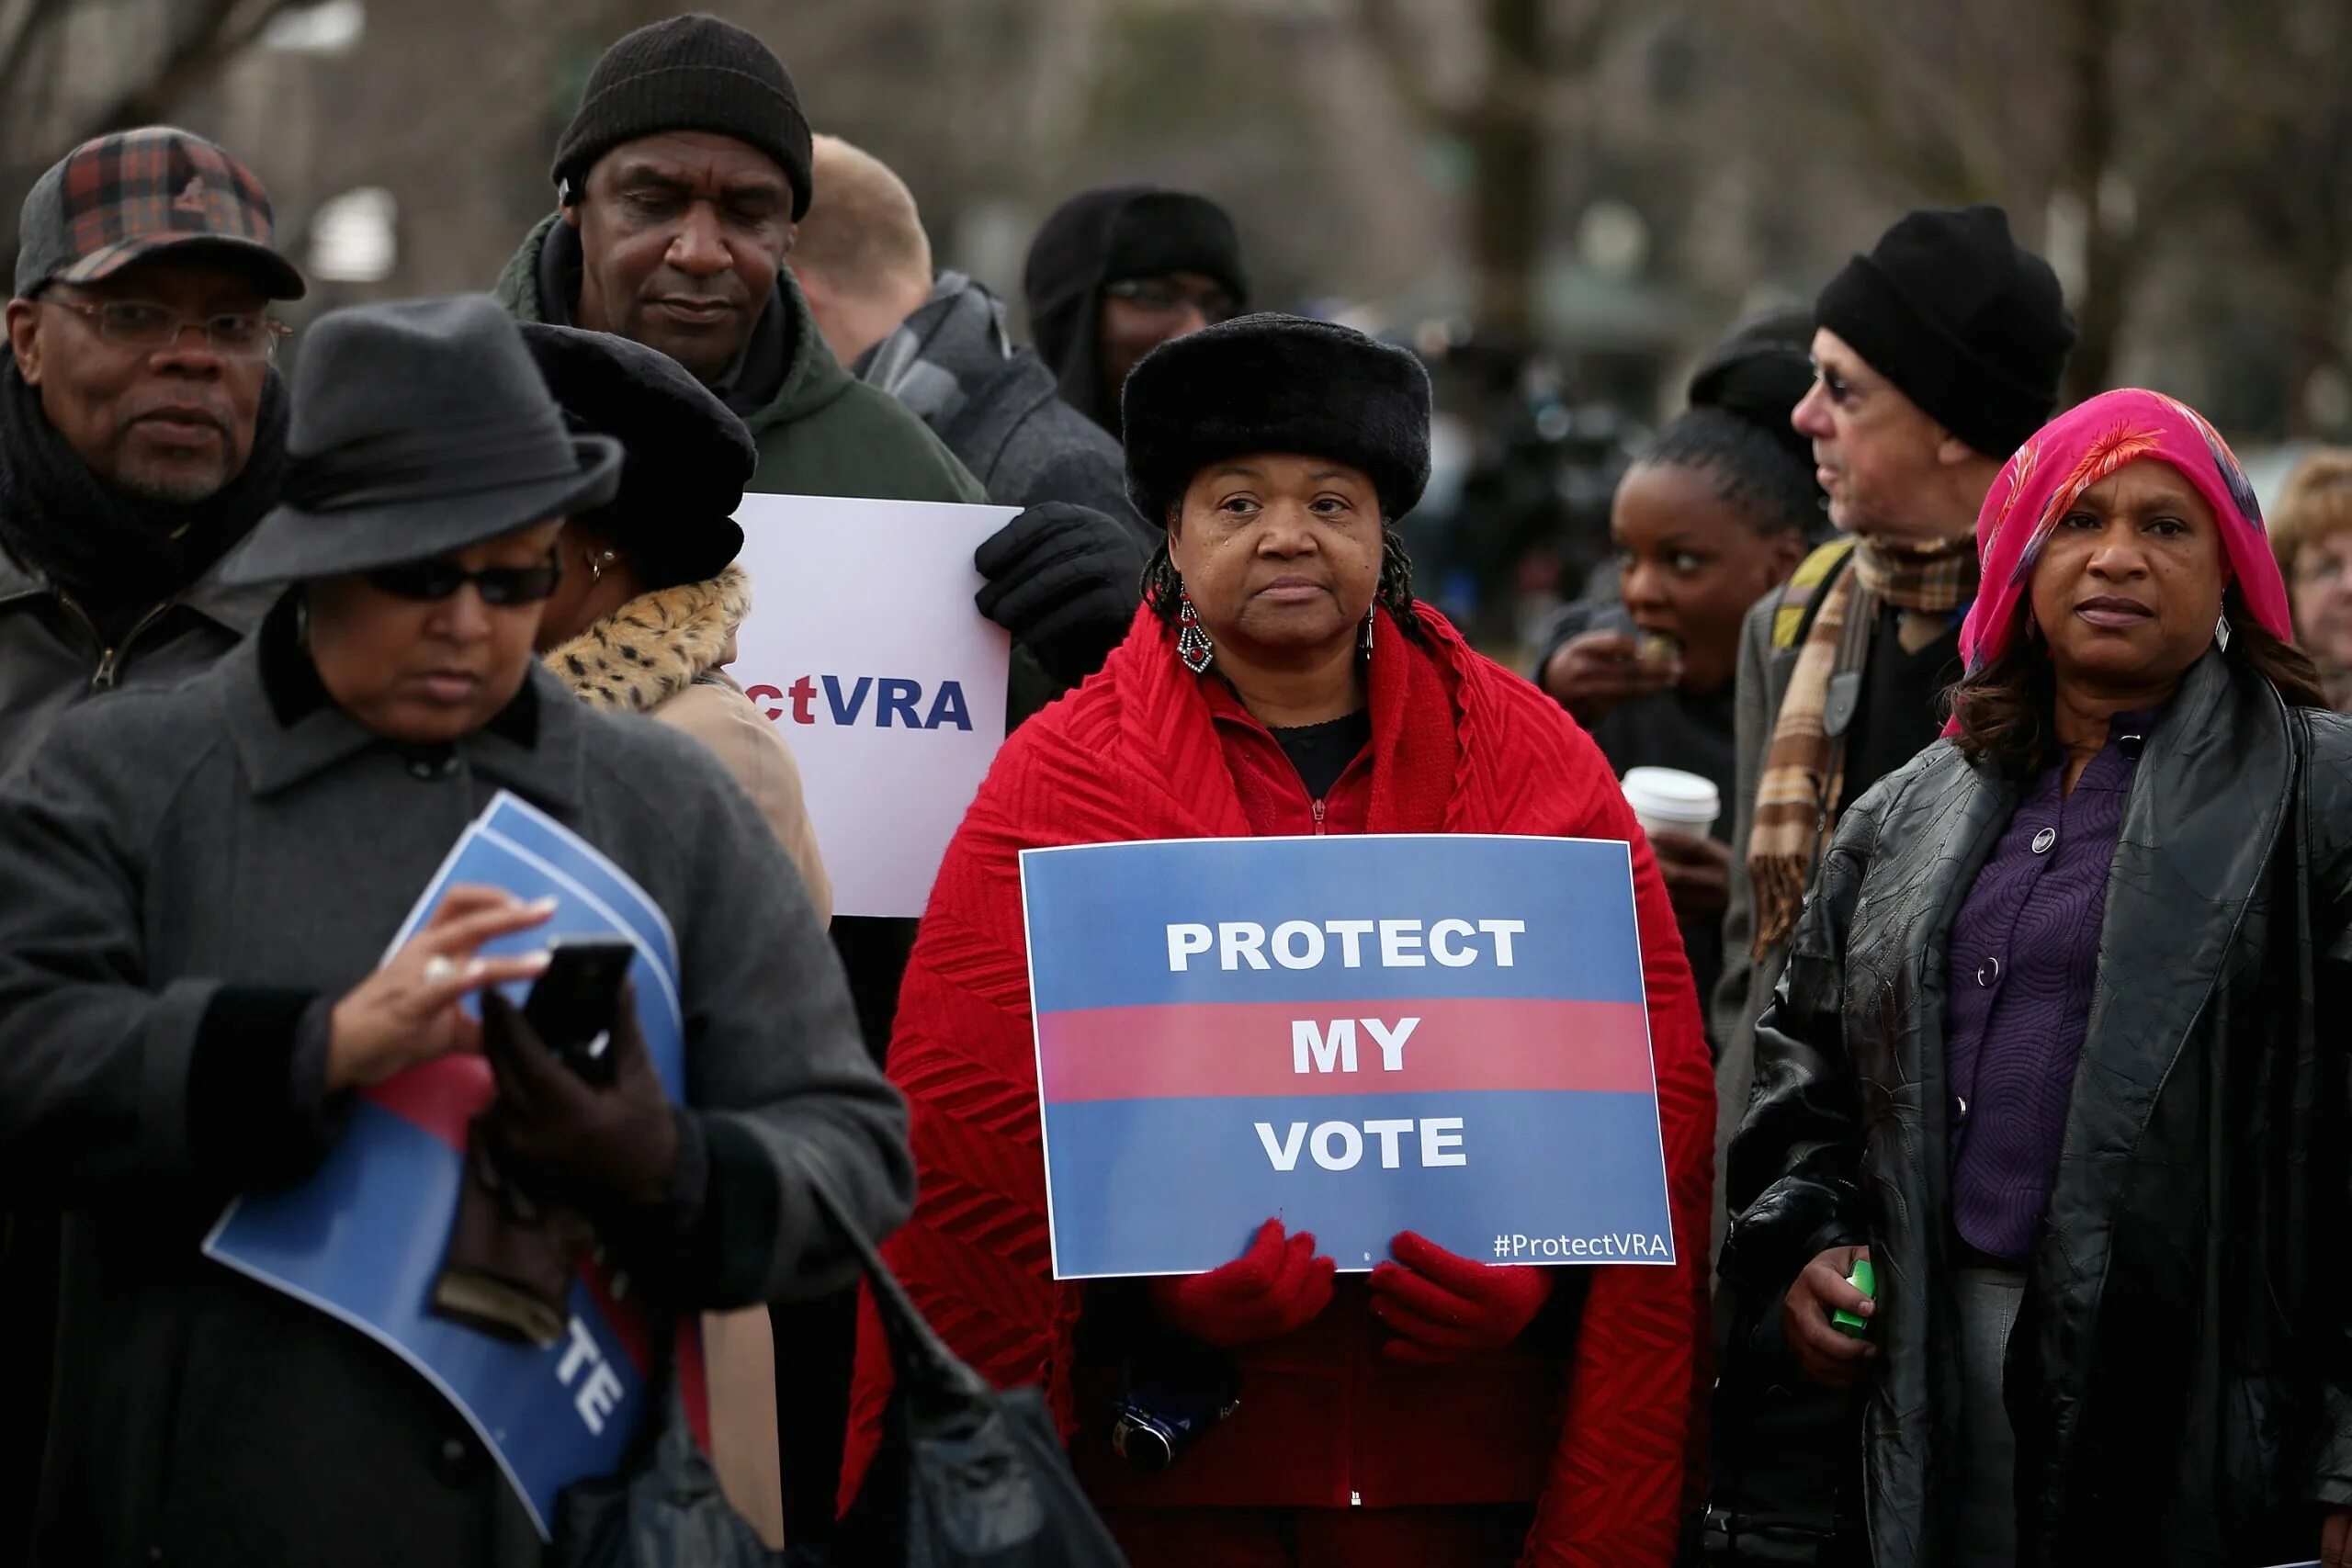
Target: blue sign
{"points": [[1358, 1035], [362, 1239]]}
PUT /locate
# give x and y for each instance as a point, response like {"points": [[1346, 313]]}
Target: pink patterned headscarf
{"points": [[2075, 451]]}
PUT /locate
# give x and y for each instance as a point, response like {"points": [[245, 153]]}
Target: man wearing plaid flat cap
{"points": [[143, 429], [142, 433]]}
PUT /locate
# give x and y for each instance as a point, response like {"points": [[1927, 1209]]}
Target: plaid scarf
{"points": [[1805, 768]]}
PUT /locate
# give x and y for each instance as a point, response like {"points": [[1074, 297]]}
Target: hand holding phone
{"points": [[600, 1148], [573, 1004]]}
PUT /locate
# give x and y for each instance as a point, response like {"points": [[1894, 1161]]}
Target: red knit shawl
{"points": [[1459, 745]]}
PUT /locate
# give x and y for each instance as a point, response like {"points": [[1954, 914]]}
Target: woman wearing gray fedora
{"points": [[202, 885]]}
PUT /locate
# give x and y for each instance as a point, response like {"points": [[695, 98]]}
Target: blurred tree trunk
{"points": [[1535, 58], [2090, 176], [1505, 131], [202, 37]]}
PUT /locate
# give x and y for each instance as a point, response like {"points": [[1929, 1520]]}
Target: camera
{"points": [[1152, 1426]]}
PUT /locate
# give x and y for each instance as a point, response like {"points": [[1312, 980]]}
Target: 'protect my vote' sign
{"points": [[1360, 1035]]}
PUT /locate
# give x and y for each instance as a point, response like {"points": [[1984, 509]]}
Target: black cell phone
{"points": [[572, 1005]]}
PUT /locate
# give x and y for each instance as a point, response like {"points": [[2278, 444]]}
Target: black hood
{"points": [[1102, 236]]}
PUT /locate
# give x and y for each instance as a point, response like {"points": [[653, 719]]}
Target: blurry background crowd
{"points": [[1559, 203]]}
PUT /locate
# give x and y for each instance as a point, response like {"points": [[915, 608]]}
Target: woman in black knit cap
{"points": [[1716, 512]]}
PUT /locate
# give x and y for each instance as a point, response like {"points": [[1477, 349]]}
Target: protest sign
{"points": [[1359, 1035], [362, 1238], [865, 650]]}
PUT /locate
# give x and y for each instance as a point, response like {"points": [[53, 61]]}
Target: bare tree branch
{"points": [[227, 28], [1399, 51], [18, 46]]}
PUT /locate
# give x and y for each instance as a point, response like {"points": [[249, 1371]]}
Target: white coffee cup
{"points": [[1667, 800]]}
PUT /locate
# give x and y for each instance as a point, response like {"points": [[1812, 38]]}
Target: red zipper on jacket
{"points": [[1317, 807]]}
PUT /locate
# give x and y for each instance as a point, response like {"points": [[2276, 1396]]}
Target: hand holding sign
{"points": [[1275, 1287], [1444, 1308], [1064, 579], [1439, 1035]]}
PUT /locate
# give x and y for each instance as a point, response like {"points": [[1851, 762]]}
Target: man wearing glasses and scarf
{"points": [[142, 433]]}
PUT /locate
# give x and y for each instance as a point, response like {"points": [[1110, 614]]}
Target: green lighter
{"points": [[1865, 1281]]}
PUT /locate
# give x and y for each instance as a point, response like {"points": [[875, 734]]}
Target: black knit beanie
{"points": [[692, 72], [1969, 323], [1273, 383], [1103, 236]]}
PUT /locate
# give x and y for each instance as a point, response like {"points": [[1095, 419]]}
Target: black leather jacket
{"points": [[2180, 1381]]}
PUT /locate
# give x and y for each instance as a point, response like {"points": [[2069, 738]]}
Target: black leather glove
{"points": [[1065, 581], [607, 1150]]}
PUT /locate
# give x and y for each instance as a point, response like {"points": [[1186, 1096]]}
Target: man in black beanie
{"points": [[680, 181], [1115, 273], [1935, 357]]}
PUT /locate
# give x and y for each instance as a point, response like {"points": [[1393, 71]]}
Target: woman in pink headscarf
{"points": [[2061, 1050]]}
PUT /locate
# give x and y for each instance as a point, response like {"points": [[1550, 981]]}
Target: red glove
{"points": [[1272, 1289], [1444, 1308]]}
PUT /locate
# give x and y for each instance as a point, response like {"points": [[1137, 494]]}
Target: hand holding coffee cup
{"points": [[1678, 810], [1668, 800], [1593, 673]]}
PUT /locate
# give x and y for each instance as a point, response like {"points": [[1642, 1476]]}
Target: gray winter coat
{"points": [[998, 408], [52, 660], [164, 846]]}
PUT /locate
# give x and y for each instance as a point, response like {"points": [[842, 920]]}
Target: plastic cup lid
{"points": [[1671, 793]]}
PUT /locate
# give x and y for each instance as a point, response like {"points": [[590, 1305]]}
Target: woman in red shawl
{"points": [[1281, 679]]}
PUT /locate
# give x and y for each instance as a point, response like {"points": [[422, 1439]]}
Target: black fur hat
{"points": [[1273, 383]]}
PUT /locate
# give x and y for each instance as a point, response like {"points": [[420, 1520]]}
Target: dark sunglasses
{"points": [[429, 579]]}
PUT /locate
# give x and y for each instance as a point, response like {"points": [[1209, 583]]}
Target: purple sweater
{"points": [[2024, 960]]}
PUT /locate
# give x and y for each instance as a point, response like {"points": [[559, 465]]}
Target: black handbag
{"points": [[967, 1477], [665, 1511]]}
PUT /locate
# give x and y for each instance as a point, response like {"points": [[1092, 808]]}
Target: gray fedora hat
{"points": [[420, 428]]}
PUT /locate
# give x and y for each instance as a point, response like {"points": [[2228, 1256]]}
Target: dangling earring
{"points": [[1370, 616], [302, 623], [596, 565], [1193, 645], [2222, 633]]}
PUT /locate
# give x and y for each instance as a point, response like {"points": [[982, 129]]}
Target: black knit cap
{"points": [[694, 73], [1969, 323], [1105, 236], [1273, 383]]}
